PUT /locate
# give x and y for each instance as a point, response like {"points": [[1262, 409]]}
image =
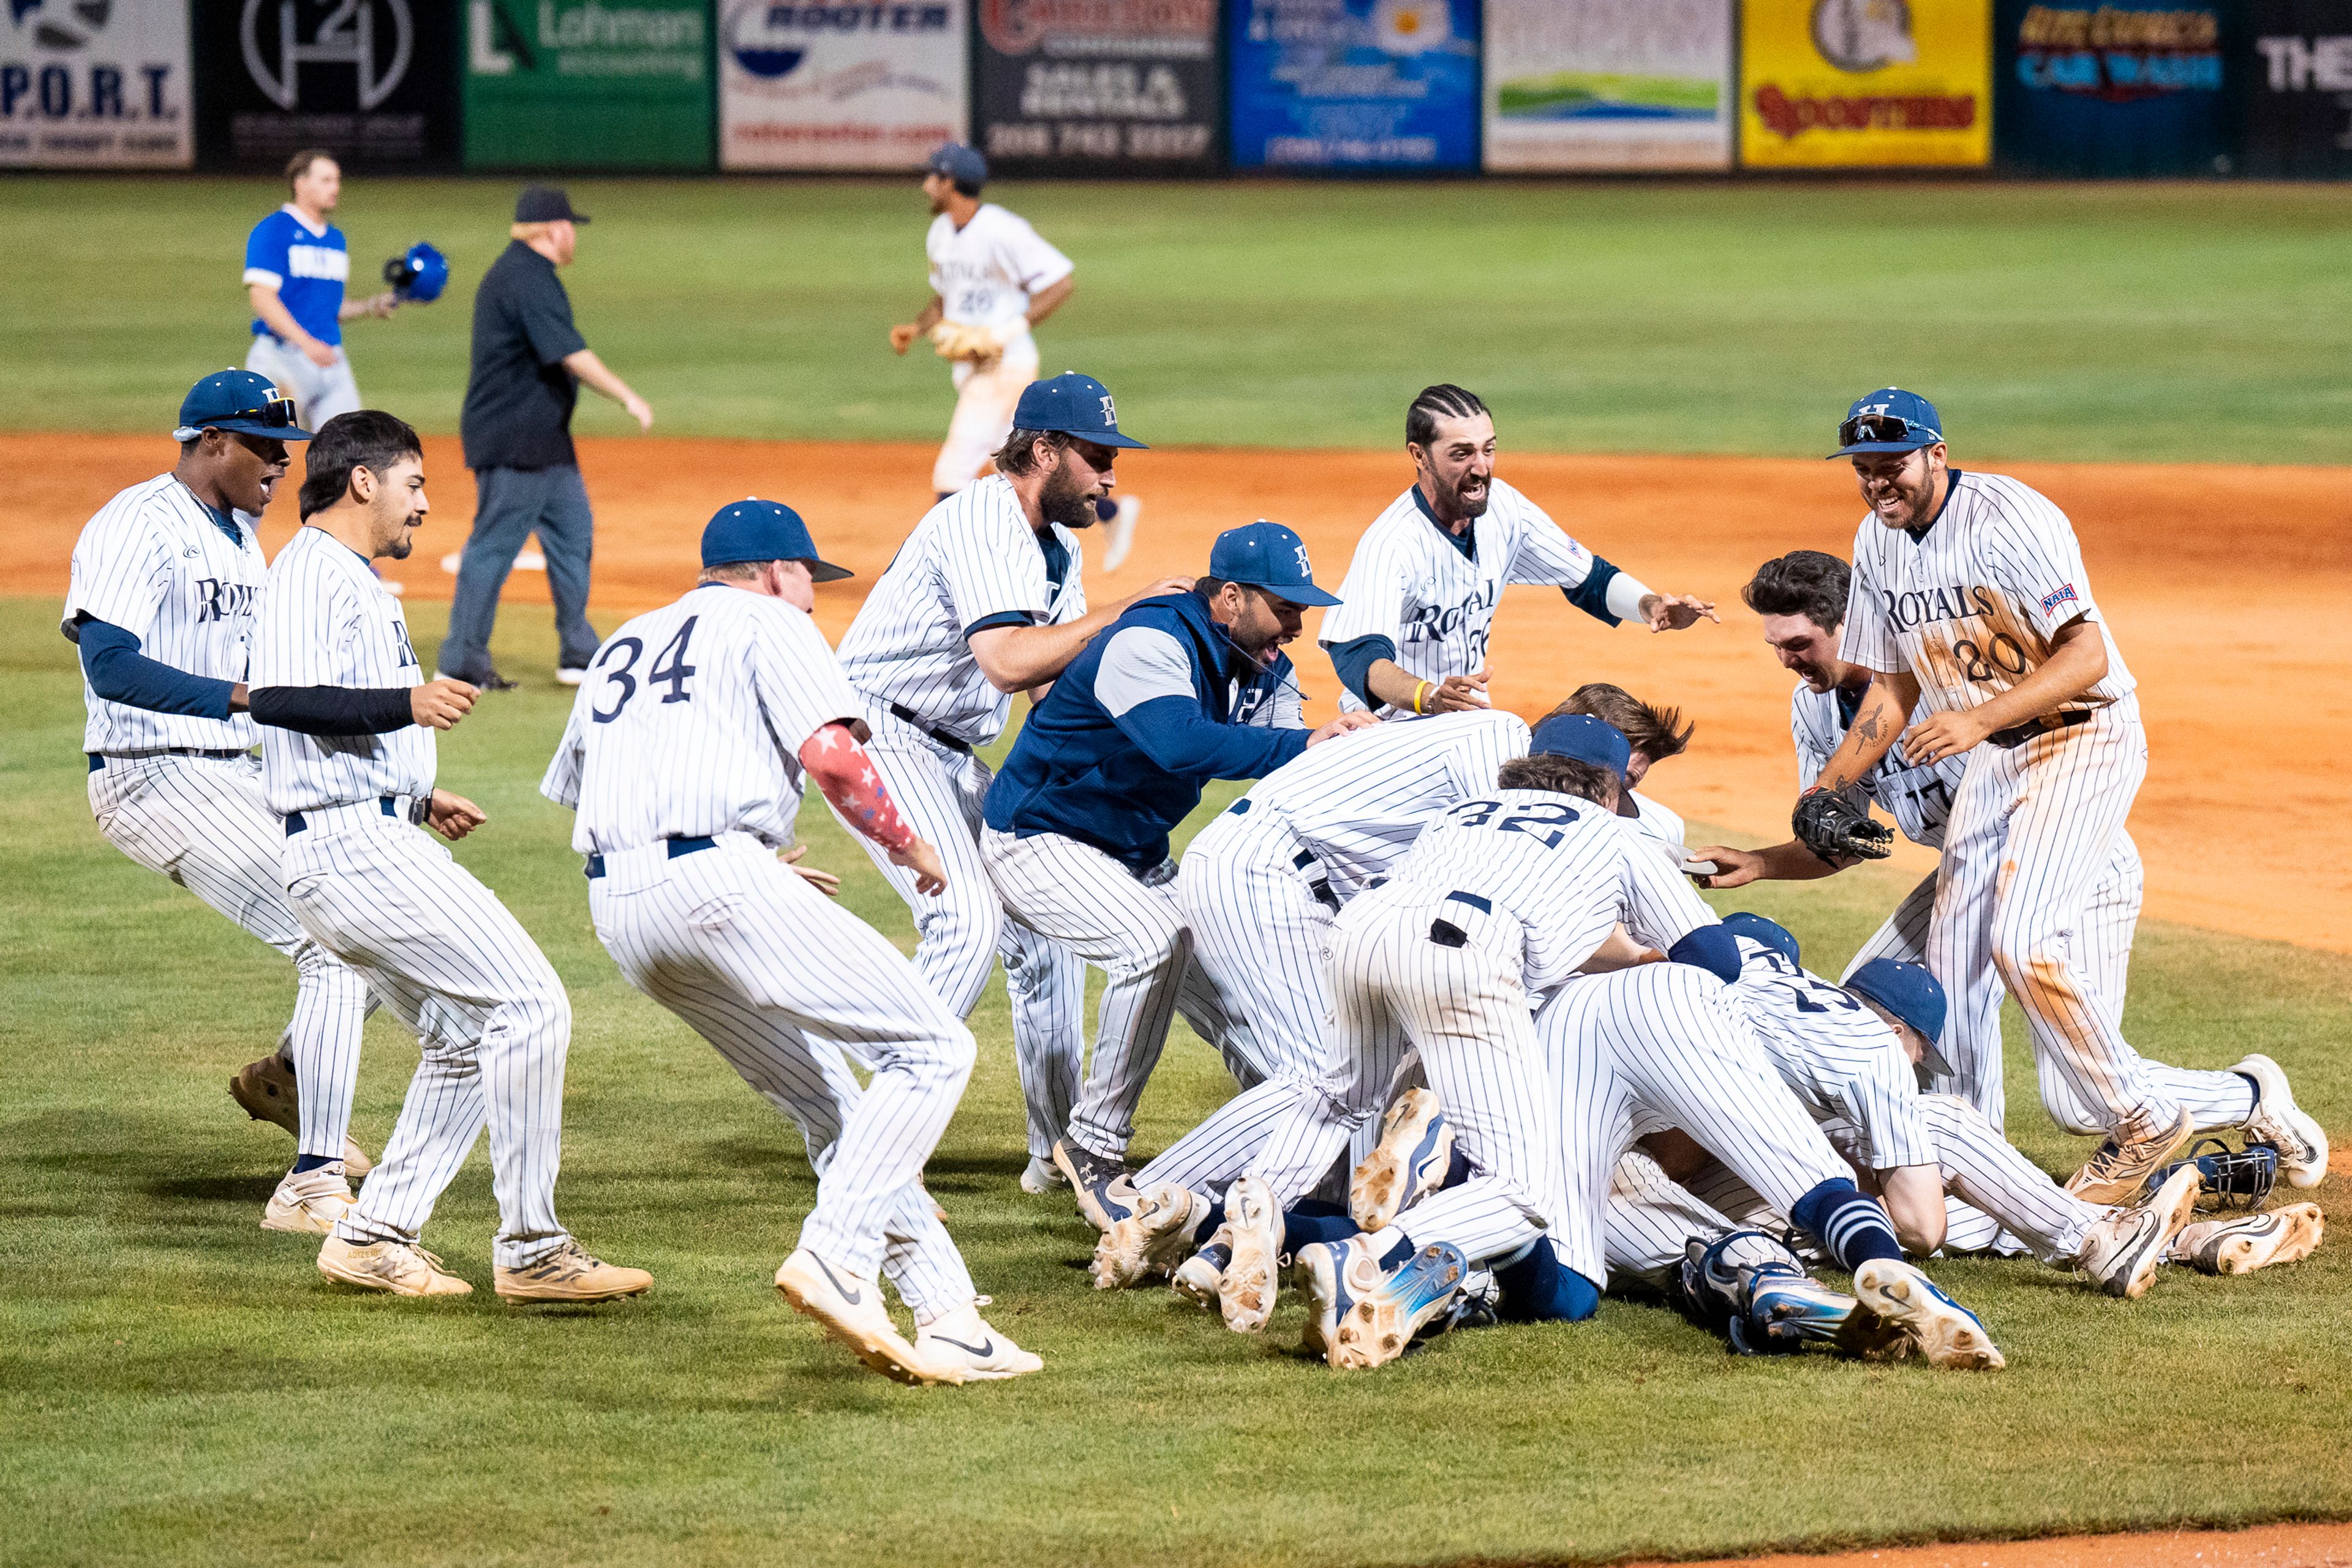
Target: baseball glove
{"points": [[1834, 828], [958, 340]]}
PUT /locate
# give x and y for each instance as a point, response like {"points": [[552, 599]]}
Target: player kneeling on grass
{"points": [[692, 739]]}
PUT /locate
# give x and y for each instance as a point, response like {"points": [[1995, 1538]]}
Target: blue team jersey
{"points": [[307, 269]]}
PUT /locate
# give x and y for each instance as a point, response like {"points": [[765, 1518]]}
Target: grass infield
{"points": [[2152, 323], [178, 1386]]}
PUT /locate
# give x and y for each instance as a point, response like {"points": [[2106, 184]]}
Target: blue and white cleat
{"points": [[1947, 1333], [2282, 1124], [1783, 1309], [1198, 1277], [1408, 1163], [1361, 1315], [1151, 1241], [1104, 1187], [1247, 1287]]}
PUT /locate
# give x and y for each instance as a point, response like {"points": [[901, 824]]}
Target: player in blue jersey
{"points": [[296, 266]]}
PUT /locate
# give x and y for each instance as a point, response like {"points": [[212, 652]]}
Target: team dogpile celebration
{"points": [[1494, 1055]]}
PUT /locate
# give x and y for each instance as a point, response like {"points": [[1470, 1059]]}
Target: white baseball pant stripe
{"points": [[732, 923], [491, 1019], [959, 935], [320, 393], [1983, 1170], [1649, 1220], [202, 822], [986, 396]]}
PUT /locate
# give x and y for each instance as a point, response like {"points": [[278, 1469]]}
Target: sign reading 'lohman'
{"points": [[574, 84]]}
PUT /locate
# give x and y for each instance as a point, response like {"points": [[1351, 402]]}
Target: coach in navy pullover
{"points": [[1168, 698]]}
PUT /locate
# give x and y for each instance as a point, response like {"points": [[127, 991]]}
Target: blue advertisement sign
{"points": [[1354, 84], [2140, 88]]}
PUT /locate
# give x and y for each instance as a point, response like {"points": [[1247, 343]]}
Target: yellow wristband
{"points": [[1418, 693]]}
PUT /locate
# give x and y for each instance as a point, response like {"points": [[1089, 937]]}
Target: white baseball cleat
{"points": [[1247, 1288], [570, 674], [1151, 1239], [1408, 1163], [2278, 1121], [1948, 1334], [2250, 1241], [963, 1340], [2117, 1172], [850, 1310], [265, 1089], [1119, 533], [570, 1273], [394, 1268], [1198, 1277], [2121, 1253], [1361, 1315], [1042, 1176], [308, 1203]]}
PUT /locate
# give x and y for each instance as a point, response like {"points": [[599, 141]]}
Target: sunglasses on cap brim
{"points": [[1886, 428]]}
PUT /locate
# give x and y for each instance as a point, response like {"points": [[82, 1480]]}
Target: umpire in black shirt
{"points": [[529, 361]]}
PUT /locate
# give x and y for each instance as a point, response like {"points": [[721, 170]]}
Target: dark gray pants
{"points": [[514, 503]]}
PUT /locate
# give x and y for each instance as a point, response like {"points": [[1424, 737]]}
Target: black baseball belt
{"points": [[909, 716], [678, 846], [2016, 735]]}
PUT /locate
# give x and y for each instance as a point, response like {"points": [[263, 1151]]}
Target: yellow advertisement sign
{"points": [[1860, 83]]}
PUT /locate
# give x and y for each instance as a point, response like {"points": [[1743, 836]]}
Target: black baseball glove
{"points": [[1834, 828]]}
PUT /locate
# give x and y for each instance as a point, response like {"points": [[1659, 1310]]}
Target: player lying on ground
{"points": [[686, 756]]}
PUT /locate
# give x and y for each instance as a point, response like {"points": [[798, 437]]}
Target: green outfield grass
{"points": [[2207, 322], [178, 1386]]}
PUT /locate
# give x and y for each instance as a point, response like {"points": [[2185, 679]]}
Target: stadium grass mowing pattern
{"points": [[2155, 322], [178, 1386]]}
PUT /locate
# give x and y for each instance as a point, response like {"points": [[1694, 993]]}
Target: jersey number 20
{"points": [[669, 668]]}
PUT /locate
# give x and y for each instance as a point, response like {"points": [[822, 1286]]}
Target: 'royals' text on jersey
{"points": [[307, 267], [985, 272], [1837, 1057], [1359, 806], [1970, 605], [690, 723], [324, 619], [1408, 582], [154, 562], [1558, 865], [972, 563], [1919, 799]]}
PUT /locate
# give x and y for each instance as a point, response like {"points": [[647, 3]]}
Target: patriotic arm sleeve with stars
{"points": [[839, 766]]}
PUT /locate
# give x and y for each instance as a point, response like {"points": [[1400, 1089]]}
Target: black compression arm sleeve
{"points": [[333, 710]]}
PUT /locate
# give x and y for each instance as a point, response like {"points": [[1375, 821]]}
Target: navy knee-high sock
{"points": [[1850, 1227], [1536, 1287]]}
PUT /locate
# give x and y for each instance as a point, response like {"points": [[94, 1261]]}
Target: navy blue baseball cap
{"points": [[239, 400], [962, 164], [1708, 947], [1771, 933], [1912, 994], [1889, 420], [1583, 738], [1073, 404], [1268, 556], [756, 530]]}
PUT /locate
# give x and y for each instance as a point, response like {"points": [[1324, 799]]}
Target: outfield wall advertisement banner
{"points": [[836, 86], [93, 86], [372, 81], [1608, 84], [1355, 84], [1827, 84], [581, 84], [2297, 72], [2098, 89], [1073, 86]]}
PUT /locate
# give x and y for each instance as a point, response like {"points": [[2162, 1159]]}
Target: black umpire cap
{"points": [[545, 203]]}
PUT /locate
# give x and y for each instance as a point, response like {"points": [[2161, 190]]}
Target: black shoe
{"points": [[493, 681]]}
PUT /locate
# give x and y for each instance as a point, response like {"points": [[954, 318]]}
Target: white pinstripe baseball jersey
{"points": [[1408, 582], [972, 562], [154, 561], [1837, 1057], [1969, 606], [1919, 799], [1357, 807], [985, 272], [690, 723], [324, 619]]}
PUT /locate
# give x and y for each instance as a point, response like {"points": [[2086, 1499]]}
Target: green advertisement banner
{"points": [[581, 84]]}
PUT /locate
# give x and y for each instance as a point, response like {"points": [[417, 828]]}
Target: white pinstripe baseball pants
{"points": [[492, 1023], [202, 822], [962, 932], [1259, 934], [1649, 1219], [770, 972]]}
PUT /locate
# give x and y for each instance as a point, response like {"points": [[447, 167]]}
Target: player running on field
{"points": [[688, 748], [297, 264], [165, 578], [986, 599], [350, 765], [1968, 595], [1419, 602]]}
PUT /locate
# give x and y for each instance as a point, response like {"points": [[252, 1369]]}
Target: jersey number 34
{"points": [[669, 668]]}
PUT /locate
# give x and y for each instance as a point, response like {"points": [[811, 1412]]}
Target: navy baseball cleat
{"points": [[1105, 1191], [1362, 1315]]}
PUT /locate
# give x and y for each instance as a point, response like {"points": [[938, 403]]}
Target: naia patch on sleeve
{"points": [[2063, 596]]}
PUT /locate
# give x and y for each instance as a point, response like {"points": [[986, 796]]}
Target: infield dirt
{"points": [[2230, 590]]}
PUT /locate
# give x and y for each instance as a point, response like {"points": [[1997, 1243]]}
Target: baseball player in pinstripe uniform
{"points": [[986, 599], [1418, 601], [1654, 735], [1182, 689], [347, 760], [688, 748], [1968, 593], [161, 606]]}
